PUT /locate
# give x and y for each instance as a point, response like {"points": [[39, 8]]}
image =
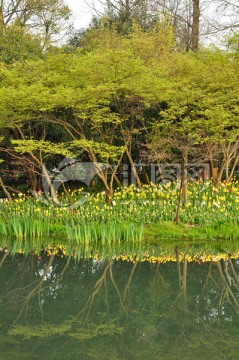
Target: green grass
{"points": [[104, 233], [155, 233]]}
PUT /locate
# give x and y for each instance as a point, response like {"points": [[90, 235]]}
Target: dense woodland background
{"points": [[146, 82]]}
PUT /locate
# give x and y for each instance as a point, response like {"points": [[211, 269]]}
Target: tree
{"points": [[50, 20], [124, 14], [18, 45], [224, 17], [45, 17], [183, 16], [198, 122], [108, 100]]}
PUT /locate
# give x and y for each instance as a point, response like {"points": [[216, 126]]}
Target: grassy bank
{"points": [[134, 215], [155, 233]]}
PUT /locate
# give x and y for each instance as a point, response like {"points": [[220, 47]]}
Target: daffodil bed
{"points": [[135, 214]]}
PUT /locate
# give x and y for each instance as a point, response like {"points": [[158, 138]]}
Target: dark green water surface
{"points": [[54, 308]]}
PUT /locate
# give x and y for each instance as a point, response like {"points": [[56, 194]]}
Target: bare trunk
{"points": [[227, 172], [146, 175], [185, 176], [177, 217], [33, 179], [108, 195], [161, 175], [46, 37], [5, 190], [116, 179], [49, 182], [2, 22], [195, 25], [127, 9], [214, 171], [133, 169], [220, 173], [233, 167], [183, 190]]}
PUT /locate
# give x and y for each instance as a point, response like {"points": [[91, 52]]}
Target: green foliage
{"points": [[232, 43], [46, 147], [118, 97], [18, 45], [103, 150]]}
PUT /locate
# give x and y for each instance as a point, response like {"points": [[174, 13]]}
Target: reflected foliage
{"points": [[103, 309]]}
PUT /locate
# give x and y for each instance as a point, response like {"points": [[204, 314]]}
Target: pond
{"points": [[160, 306]]}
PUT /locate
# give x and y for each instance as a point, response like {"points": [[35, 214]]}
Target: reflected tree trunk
{"points": [[229, 294], [182, 277], [117, 290], [37, 288], [3, 259], [127, 287]]}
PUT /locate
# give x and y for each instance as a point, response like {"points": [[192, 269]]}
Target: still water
{"points": [[52, 307]]}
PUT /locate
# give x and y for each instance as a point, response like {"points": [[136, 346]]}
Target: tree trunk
{"points": [[2, 23], [49, 183], [5, 190], [214, 171], [146, 175], [127, 11], [133, 168], [195, 26], [220, 173], [116, 179], [185, 176], [108, 195], [177, 217], [183, 190], [233, 168]]}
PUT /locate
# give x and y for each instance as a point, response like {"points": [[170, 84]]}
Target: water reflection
{"points": [[54, 308]]}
